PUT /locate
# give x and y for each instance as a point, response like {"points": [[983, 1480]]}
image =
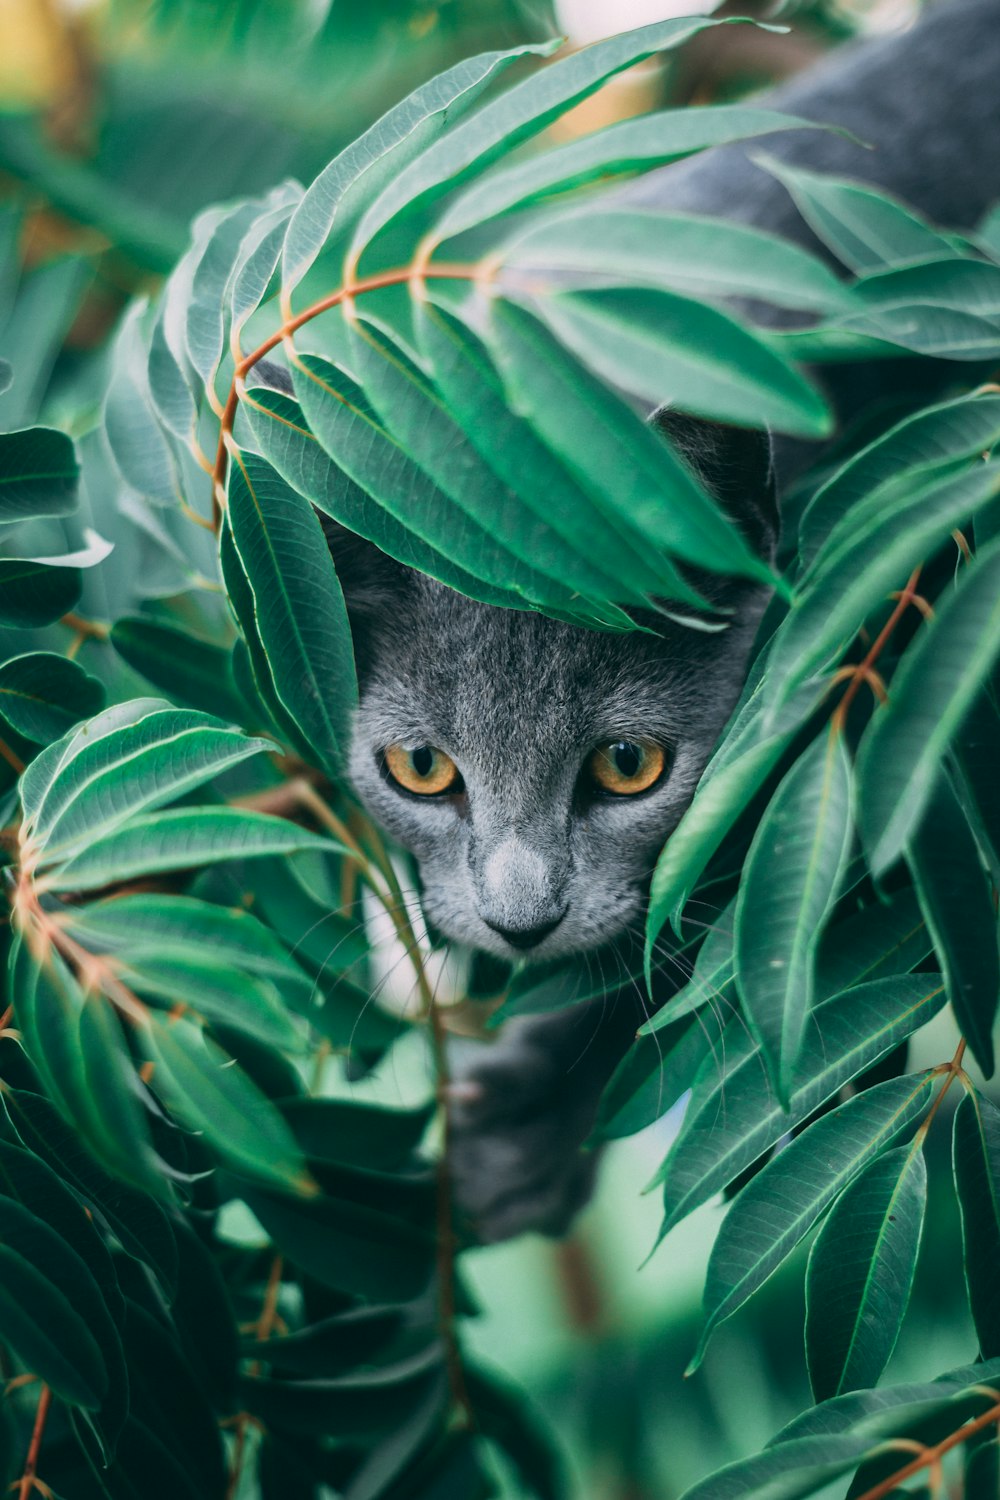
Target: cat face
{"points": [[524, 848], [510, 753]]}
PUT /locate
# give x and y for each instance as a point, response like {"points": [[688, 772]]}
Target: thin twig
{"points": [[227, 413], [931, 1456], [30, 1471]]}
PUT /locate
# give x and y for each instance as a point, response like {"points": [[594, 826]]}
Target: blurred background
{"points": [[119, 121]]}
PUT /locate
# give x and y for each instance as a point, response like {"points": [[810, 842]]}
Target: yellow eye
{"points": [[626, 767], [423, 770]]}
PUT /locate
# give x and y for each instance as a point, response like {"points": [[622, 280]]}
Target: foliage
{"points": [[216, 1273]]}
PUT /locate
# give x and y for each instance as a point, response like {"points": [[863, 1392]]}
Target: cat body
{"points": [[523, 853]]}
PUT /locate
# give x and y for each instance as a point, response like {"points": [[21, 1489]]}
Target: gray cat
{"points": [[535, 769]]}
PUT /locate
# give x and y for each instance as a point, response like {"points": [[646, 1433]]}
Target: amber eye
{"points": [[423, 770], [626, 767]]}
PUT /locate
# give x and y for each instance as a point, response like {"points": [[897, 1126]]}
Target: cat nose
{"points": [[525, 937]]}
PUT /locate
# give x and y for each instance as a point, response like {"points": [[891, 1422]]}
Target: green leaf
{"points": [[195, 672], [560, 530], [624, 146], [116, 1124], [361, 1406], [673, 252], [203, 984], [860, 1273], [39, 474], [976, 1162], [43, 694], [955, 899], [40, 1323], [981, 1480], [183, 927], [359, 173], [136, 1220], [299, 606], [948, 308], [932, 691], [855, 572], [356, 1134], [36, 1212], [280, 433], [734, 1116], [348, 1246], [34, 592], [888, 937], [865, 229], [332, 1346], [779, 1207], [141, 450], [181, 839], [131, 759], [257, 681], [205, 313], [667, 348], [654, 1073], [961, 429], [353, 435], [504, 1416], [717, 804], [615, 457], [212, 1096], [976, 749], [790, 882], [520, 112], [526, 557]]}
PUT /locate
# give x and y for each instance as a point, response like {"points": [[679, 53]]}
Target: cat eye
{"points": [[423, 770], [624, 768]]}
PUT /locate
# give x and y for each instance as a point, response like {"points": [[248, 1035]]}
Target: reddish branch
{"points": [[930, 1457], [396, 277], [29, 1479]]}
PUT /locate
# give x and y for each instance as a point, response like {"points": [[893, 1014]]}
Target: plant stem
{"points": [[931, 1457], [395, 277], [864, 671], [28, 1476], [12, 759]]}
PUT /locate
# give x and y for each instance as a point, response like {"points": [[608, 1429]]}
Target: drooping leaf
{"points": [[555, 502], [34, 593], [282, 436], [932, 691], [39, 474], [205, 985], [522, 111], [299, 606], [195, 672], [131, 759], [948, 308], [855, 571], [781, 1204], [596, 246], [734, 1116], [200, 1082], [667, 348], [526, 556], [860, 1274], [715, 808], [955, 899], [976, 1164], [865, 228], [622, 146], [180, 839], [42, 695], [951, 432], [615, 457], [331, 203], [137, 1221], [358, 1407], [790, 881]]}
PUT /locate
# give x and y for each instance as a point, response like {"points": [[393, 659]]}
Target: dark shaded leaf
{"points": [[955, 900], [976, 1163]]}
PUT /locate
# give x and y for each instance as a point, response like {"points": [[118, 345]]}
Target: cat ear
{"points": [[373, 583], [736, 465]]}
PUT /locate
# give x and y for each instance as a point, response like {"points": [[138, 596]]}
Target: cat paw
{"points": [[516, 1130]]}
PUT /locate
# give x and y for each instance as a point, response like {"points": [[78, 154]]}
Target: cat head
{"points": [[536, 768]]}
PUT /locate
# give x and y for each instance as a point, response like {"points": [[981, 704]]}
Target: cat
{"points": [[535, 769]]}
